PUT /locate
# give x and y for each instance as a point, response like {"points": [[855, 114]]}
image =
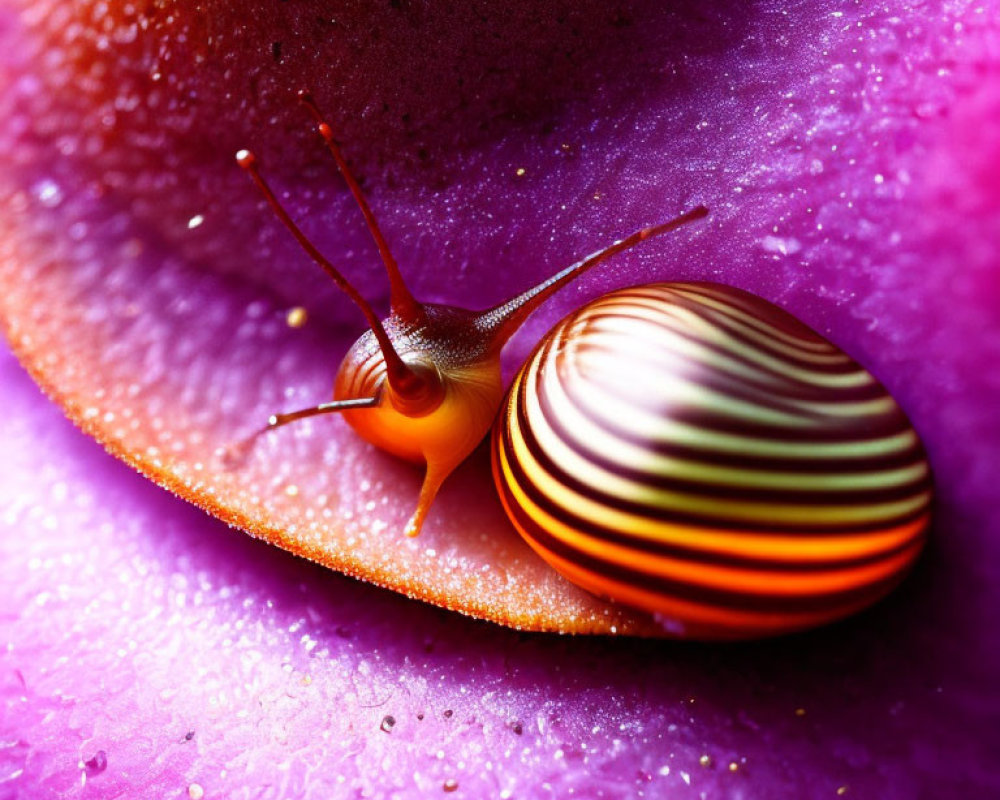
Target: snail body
{"points": [[469, 378], [687, 449], [693, 450], [446, 345]]}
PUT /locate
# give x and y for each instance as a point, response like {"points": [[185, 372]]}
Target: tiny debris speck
{"points": [[296, 317]]}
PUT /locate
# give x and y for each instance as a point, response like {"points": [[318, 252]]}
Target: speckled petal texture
{"points": [[850, 158]]}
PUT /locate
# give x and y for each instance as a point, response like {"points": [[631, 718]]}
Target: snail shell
{"points": [[694, 451]]}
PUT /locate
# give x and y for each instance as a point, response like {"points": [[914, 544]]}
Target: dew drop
{"points": [[48, 192], [784, 246]]}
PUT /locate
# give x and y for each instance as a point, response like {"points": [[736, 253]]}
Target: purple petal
{"points": [[132, 619]]}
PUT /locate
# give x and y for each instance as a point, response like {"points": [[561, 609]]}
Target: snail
{"points": [[688, 449]]}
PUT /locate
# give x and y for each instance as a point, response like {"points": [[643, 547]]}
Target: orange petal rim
{"points": [[142, 352]]}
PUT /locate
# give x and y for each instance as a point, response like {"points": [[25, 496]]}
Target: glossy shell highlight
{"points": [[694, 451]]}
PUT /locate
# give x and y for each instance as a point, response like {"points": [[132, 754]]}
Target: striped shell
{"points": [[694, 451]]}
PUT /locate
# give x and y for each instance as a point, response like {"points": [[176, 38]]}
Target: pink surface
{"points": [[850, 158]]}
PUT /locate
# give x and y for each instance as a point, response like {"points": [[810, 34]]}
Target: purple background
{"points": [[850, 157]]}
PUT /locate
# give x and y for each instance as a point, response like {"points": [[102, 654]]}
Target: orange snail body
{"points": [[445, 345], [694, 451], [472, 394]]}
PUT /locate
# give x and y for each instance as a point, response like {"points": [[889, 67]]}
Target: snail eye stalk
{"points": [[402, 379]]}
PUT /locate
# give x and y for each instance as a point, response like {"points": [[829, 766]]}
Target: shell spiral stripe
{"points": [[693, 450]]}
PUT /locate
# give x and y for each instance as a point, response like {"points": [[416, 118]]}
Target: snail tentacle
{"points": [[402, 302], [504, 319], [334, 406], [236, 452], [399, 375]]}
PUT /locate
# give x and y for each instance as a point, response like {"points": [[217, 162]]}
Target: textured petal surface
{"points": [[850, 158], [187, 653]]}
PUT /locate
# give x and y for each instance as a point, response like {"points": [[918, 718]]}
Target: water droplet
{"points": [[48, 192], [778, 244]]}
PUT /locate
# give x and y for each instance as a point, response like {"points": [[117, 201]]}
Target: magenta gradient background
{"points": [[851, 158]]}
